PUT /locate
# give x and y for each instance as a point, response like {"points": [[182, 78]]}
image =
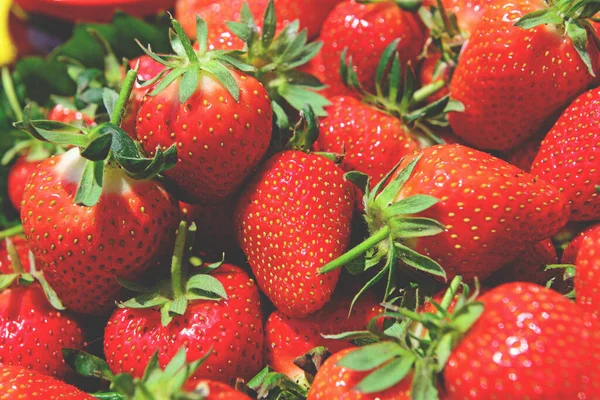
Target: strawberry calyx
{"points": [[393, 226], [156, 383], [27, 278], [397, 94], [187, 64], [568, 274], [173, 295], [406, 5], [445, 34], [404, 347], [574, 17], [277, 59], [103, 146], [312, 361], [268, 384], [306, 132]]}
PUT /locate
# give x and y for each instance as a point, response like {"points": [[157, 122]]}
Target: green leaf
{"points": [[347, 336], [240, 30], [178, 306], [424, 385], [463, 319], [7, 279], [167, 80], [224, 76], [90, 186], [207, 283], [144, 300], [98, 148], [87, 365], [269, 25], [540, 17], [579, 37], [384, 62], [387, 376], [53, 131], [389, 193], [109, 98], [188, 84], [176, 44], [124, 383], [108, 396], [201, 33], [414, 227], [48, 290], [413, 204], [372, 356], [359, 180], [298, 96], [419, 261]]}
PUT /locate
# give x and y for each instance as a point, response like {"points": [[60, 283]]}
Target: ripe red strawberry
{"points": [[569, 157], [467, 12], [524, 155], [310, 13], [18, 175], [68, 115], [486, 211], [529, 266], [334, 381], [574, 238], [297, 207], [288, 338], [220, 125], [371, 140], [530, 342], [20, 383], [220, 391], [221, 312], [367, 29], [20, 245], [433, 69], [35, 332], [587, 272], [511, 79]]}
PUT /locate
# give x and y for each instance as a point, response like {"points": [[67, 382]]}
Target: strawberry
{"points": [[309, 13], [568, 157], [335, 381], [217, 312], [219, 391], [586, 272], [213, 113], [524, 155], [434, 69], [86, 218], [367, 29], [22, 249], [297, 207], [288, 338], [68, 115], [453, 211], [574, 238], [38, 332], [20, 383], [18, 175], [511, 79]]}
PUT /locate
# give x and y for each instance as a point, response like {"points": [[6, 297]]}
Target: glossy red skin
{"points": [[219, 141], [20, 383], [530, 342], [18, 175], [529, 266], [34, 333], [569, 256], [367, 29], [491, 209], [310, 13], [501, 111], [524, 155], [372, 141], [569, 157], [287, 338], [221, 391], [147, 69], [69, 116], [23, 251], [468, 12], [82, 250], [587, 272], [335, 382], [233, 328], [298, 208]]}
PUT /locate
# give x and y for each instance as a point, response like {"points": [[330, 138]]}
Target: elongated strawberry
{"points": [[23, 384], [569, 157], [288, 338], [219, 118], [587, 272], [87, 220], [453, 211], [336, 381], [217, 312], [511, 79], [367, 29], [297, 207]]}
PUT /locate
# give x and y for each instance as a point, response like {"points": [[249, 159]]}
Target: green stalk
{"points": [[427, 91], [15, 230], [119, 112], [357, 251], [177, 278], [446, 19], [9, 89], [451, 292]]}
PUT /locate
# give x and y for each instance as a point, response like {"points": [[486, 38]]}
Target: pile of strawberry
{"points": [[333, 199]]}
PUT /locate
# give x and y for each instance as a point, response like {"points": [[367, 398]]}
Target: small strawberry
{"points": [[69, 115], [219, 118], [453, 211], [587, 272], [20, 383], [569, 157], [293, 218], [573, 240], [367, 29], [336, 381], [22, 249], [289, 338], [18, 175], [217, 312], [512, 79], [86, 218]]}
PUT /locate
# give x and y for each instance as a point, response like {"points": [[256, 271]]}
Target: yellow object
{"points": [[8, 51]]}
